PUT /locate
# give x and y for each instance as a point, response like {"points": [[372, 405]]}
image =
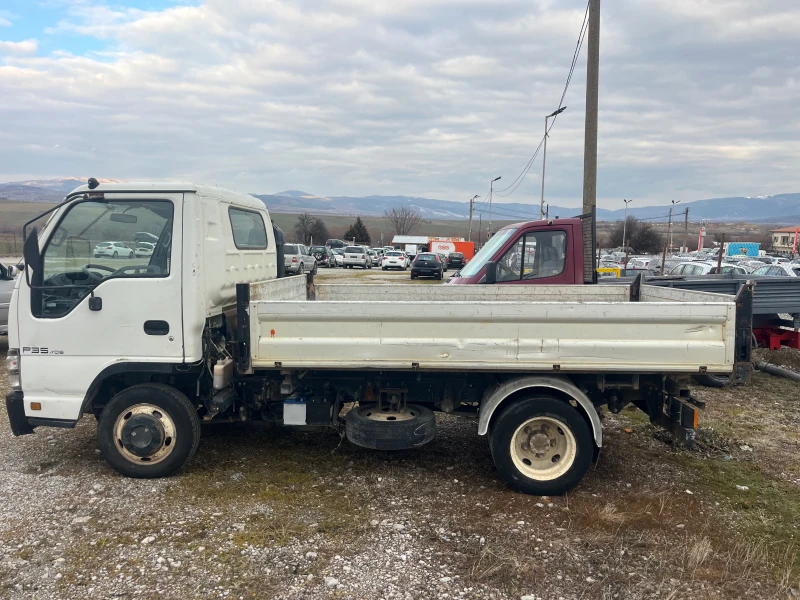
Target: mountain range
{"points": [[783, 209]]}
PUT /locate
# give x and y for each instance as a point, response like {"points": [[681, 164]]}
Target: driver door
{"points": [[93, 310], [537, 257]]}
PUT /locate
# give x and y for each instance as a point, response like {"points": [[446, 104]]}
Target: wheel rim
{"points": [[373, 413], [145, 433], [543, 448]]}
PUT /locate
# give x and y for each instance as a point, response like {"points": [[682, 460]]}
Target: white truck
{"points": [[203, 331]]}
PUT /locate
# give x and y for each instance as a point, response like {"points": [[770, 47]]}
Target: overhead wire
{"points": [[578, 45]]}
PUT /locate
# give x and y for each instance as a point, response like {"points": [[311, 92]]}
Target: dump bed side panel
{"points": [[473, 293], [494, 336]]}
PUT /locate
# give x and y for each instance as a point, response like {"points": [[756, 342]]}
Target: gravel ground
{"points": [[264, 513]]}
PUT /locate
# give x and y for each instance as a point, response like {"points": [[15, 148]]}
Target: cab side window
{"points": [[536, 255], [249, 232]]}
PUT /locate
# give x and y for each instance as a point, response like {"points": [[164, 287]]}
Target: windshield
{"points": [[95, 241], [354, 250], [394, 254], [425, 258], [291, 249], [318, 249], [487, 252]]}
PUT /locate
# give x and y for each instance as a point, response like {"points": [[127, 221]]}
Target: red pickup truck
{"points": [[535, 252]]}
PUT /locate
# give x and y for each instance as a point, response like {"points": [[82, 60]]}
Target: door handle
{"points": [[156, 327]]}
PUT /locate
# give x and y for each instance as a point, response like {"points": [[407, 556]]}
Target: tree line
{"points": [[400, 220]]}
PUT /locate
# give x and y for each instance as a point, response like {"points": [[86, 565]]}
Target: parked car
{"points": [[444, 261], [335, 244], [394, 259], [706, 268], [338, 254], [324, 256], [456, 260], [782, 270], [6, 287], [144, 249], [427, 264], [113, 249], [297, 259], [357, 256], [376, 258]]}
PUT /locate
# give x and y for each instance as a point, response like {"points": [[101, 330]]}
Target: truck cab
{"points": [[535, 252], [77, 321]]}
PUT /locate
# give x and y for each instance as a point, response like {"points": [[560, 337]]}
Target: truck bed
{"points": [[489, 328]]}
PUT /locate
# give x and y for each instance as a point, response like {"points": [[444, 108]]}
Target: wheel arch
{"points": [[115, 378], [559, 387]]}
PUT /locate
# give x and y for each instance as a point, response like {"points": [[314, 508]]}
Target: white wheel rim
{"points": [[543, 448], [166, 422]]}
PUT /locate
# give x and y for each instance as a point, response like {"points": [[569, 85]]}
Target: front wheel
{"points": [[541, 445], [148, 430]]}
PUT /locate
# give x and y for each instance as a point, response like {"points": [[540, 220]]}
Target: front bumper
{"points": [[16, 414], [22, 425]]}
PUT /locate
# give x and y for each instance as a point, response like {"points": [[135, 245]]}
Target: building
{"points": [[442, 245], [783, 240]]}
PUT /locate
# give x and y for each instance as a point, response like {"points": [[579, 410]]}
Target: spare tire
{"points": [[370, 427]]}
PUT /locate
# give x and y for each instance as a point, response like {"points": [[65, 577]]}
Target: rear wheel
{"points": [[314, 270], [115, 255], [148, 430], [541, 445], [302, 269]]}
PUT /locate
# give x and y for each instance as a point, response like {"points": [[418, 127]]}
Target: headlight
{"points": [[12, 365]]}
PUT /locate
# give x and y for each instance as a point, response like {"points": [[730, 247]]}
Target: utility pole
{"points": [[544, 157], [590, 137], [480, 229], [625, 226], [471, 202], [669, 227], [491, 185], [686, 229]]}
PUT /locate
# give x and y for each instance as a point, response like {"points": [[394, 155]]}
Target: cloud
{"points": [[421, 97], [24, 47], [4, 22]]}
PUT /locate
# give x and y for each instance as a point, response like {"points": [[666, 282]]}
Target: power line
{"points": [[579, 44]]}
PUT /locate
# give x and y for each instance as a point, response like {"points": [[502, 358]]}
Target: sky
{"points": [[430, 98]]}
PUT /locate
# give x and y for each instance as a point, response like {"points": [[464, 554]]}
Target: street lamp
{"points": [[491, 186], [669, 228], [471, 202], [625, 225], [544, 158]]}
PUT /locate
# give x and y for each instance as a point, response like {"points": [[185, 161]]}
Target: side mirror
{"points": [[5, 273], [12, 272], [491, 273], [30, 251]]}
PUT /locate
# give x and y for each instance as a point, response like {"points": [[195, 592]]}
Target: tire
{"points": [[566, 428], [314, 270], [150, 398], [302, 269], [413, 276], [383, 268], [439, 275], [713, 381], [411, 429], [131, 254], [115, 255]]}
